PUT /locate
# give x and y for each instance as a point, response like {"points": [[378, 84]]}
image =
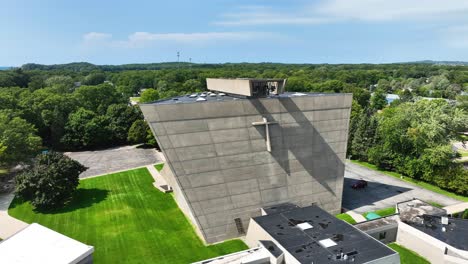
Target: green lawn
{"points": [[435, 204], [127, 220], [422, 184], [408, 256], [383, 212], [346, 217], [159, 166]]}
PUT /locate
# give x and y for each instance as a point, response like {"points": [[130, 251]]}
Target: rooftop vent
{"points": [[444, 220], [304, 226], [326, 243]]}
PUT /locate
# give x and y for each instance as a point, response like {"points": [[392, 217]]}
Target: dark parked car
{"points": [[360, 184]]}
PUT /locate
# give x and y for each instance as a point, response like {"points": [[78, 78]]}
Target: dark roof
{"points": [[456, 232], [304, 245], [279, 208], [192, 98], [272, 247]]}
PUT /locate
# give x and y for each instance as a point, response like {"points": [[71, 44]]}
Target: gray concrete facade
{"points": [[219, 166]]}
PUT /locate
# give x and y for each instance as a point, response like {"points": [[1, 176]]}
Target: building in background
{"points": [[245, 145]]}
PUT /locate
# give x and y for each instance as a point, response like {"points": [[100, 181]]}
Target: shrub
{"points": [[50, 182]]}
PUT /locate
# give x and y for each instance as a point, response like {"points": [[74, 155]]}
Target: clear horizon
{"points": [[297, 31]]}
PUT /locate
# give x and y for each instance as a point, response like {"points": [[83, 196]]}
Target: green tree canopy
{"points": [[50, 182], [18, 139], [149, 95]]}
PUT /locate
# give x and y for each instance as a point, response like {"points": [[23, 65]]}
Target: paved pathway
{"points": [[456, 208], [383, 191], [111, 160], [8, 225], [359, 218]]}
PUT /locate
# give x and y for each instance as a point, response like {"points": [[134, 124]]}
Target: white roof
{"points": [[38, 244]]}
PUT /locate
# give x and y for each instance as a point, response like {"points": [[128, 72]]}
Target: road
{"points": [[383, 191]]}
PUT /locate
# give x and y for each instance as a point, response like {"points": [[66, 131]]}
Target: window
{"points": [[240, 227], [382, 235]]}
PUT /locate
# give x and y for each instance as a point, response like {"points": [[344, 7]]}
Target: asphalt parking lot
{"points": [[382, 191], [115, 159]]}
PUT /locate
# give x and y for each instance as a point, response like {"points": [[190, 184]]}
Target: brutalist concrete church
{"points": [[246, 145]]}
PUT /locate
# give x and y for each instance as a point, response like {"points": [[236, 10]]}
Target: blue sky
{"points": [[289, 31]]}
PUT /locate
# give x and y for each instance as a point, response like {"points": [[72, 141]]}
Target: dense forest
{"points": [[82, 106]]}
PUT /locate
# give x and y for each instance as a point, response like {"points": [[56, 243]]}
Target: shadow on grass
{"points": [[82, 198]]}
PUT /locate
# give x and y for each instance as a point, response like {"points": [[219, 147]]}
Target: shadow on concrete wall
{"points": [[323, 165]]}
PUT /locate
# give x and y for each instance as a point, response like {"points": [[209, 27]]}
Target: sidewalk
{"points": [[357, 217], [8, 225], [456, 208], [159, 182]]}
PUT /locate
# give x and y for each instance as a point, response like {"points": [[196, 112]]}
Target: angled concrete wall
{"points": [[220, 168]]}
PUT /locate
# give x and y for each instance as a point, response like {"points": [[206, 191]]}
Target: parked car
{"points": [[360, 184]]}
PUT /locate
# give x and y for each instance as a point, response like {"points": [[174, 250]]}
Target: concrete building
{"points": [[40, 245], [289, 235], [246, 145]]}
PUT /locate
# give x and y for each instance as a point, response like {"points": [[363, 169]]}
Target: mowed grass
{"points": [[422, 184], [346, 217], [408, 256], [127, 220], [383, 212]]}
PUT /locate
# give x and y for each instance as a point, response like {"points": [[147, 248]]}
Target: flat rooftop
{"points": [[219, 97], [410, 210], [276, 209], [455, 234], [38, 244], [312, 235]]}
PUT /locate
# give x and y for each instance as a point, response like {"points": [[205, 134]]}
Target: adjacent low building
{"points": [[40, 245], [307, 235]]}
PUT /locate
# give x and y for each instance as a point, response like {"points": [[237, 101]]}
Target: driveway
{"points": [[382, 191], [115, 159]]}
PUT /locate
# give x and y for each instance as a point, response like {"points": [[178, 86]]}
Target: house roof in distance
{"points": [[330, 240], [38, 244]]}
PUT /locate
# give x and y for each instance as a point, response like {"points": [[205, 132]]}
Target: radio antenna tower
{"points": [[178, 56]]}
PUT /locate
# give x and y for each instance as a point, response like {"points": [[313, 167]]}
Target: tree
{"points": [[378, 100], [149, 95], [85, 129], [94, 78], [60, 83], [50, 182], [97, 98], [18, 139], [138, 132], [121, 117], [364, 137]]}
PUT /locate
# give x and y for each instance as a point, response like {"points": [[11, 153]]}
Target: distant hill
{"points": [[86, 66]]}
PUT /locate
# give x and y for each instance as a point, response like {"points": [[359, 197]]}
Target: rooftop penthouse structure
{"points": [[244, 145]]}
